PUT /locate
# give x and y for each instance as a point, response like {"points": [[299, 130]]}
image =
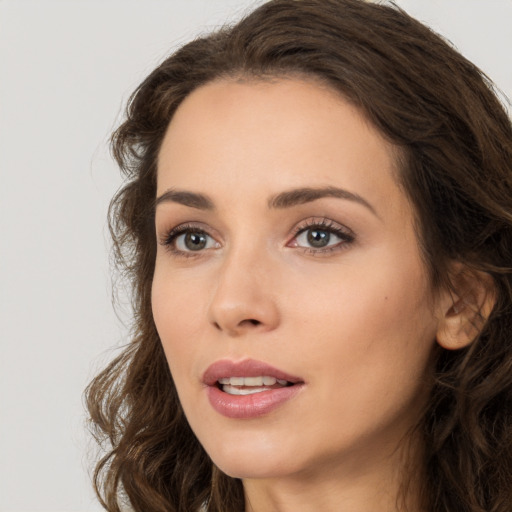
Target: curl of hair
{"points": [[455, 157]]}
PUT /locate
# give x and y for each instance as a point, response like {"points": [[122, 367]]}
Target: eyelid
{"points": [[322, 222], [168, 238], [346, 235]]}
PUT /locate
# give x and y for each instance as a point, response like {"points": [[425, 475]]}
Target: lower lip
{"points": [[250, 406]]}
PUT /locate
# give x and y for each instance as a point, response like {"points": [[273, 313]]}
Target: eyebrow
{"points": [[299, 196], [190, 199], [287, 199]]}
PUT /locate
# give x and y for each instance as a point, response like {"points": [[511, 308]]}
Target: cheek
{"points": [[378, 320], [176, 312], [369, 346]]}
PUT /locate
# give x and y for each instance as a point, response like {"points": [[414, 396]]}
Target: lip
{"points": [[248, 406], [245, 368]]}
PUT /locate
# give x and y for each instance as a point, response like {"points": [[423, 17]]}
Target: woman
{"points": [[317, 223]]}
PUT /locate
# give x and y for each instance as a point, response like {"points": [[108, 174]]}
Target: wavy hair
{"points": [[455, 143]]}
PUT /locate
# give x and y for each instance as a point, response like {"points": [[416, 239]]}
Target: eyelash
{"points": [[346, 236], [169, 240]]}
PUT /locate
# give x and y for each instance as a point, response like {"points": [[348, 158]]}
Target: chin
{"points": [[253, 469], [245, 459]]}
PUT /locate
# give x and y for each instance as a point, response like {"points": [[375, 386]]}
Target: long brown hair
{"points": [[455, 144]]}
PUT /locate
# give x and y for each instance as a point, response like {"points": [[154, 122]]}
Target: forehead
{"points": [[259, 109], [272, 135]]}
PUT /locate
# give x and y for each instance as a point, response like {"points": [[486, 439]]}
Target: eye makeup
{"points": [[320, 236], [316, 236], [188, 240]]}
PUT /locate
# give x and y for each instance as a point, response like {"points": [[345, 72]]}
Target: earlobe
{"points": [[466, 311]]}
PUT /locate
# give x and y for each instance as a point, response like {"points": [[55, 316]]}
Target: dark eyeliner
{"points": [[345, 234], [168, 239]]}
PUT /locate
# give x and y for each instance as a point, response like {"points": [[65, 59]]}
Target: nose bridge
{"points": [[244, 297]]}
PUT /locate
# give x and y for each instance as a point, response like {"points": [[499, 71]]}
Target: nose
{"points": [[244, 299]]}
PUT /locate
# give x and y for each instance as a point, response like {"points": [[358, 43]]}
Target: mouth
{"points": [[249, 374], [250, 385], [248, 388]]}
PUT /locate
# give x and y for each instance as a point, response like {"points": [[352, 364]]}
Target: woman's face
{"points": [[287, 255]]}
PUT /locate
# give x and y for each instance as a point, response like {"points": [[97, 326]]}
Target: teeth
{"points": [[252, 381], [233, 390]]}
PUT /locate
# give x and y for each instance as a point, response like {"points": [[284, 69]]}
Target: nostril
{"points": [[250, 321], [247, 324]]}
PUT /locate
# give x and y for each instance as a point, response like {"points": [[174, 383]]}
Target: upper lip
{"points": [[246, 368]]}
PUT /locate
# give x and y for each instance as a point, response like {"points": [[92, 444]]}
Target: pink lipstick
{"points": [[249, 388]]}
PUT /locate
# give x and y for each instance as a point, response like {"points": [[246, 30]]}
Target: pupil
{"points": [[318, 238], [195, 241]]}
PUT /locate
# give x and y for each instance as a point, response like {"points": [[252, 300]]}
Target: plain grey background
{"points": [[66, 69]]}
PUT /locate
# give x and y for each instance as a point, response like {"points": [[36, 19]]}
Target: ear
{"points": [[465, 307]]}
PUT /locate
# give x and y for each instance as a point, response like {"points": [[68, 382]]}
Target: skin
{"points": [[357, 322]]}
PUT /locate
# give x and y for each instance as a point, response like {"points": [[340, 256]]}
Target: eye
{"points": [[322, 236], [184, 240], [317, 238], [193, 241]]}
